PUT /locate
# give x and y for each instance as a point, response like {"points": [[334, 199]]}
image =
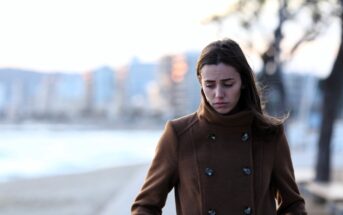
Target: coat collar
{"points": [[239, 119]]}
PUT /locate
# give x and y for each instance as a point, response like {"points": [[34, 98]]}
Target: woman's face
{"points": [[222, 86]]}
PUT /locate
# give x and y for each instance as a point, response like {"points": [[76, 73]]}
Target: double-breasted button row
{"points": [[244, 137], [211, 212], [247, 210], [209, 172]]}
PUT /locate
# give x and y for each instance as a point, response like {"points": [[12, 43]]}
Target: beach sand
{"points": [[102, 192]]}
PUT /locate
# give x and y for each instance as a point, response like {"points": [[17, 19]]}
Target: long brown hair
{"points": [[229, 52]]}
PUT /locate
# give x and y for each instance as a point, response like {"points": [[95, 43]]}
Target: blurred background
{"points": [[87, 86]]}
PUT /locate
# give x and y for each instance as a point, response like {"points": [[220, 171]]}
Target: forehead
{"points": [[219, 72]]}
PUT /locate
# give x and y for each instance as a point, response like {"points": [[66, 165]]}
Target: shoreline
{"points": [[9, 178], [122, 124]]}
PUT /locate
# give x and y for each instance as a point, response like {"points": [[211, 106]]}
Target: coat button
{"points": [[247, 210], [245, 136], [212, 137], [211, 212], [209, 172], [247, 171]]}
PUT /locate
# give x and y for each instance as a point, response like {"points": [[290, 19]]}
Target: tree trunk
{"points": [[272, 81], [333, 88], [271, 74]]}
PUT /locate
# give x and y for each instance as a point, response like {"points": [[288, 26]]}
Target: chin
{"points": [[223, 111]]}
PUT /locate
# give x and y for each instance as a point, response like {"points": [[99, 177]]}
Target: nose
{"points": [[219, 93]]}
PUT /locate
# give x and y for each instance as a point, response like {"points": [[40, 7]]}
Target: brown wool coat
{"points": [[219, 166]]}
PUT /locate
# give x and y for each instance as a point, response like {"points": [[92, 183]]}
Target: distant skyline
{"points": [[81, 35]]}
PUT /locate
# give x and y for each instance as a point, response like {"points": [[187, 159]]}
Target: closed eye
{"points": [[210, 84], [228, 85]]}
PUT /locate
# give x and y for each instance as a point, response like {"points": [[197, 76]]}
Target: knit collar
{"points": [[241, 118]]}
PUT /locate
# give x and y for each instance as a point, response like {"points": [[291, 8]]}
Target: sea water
{"points": [[36, 151]]}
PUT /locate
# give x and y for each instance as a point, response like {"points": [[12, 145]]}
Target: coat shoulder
{"points": [[184, 123]]}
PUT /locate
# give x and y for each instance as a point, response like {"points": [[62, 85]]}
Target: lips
{"points": [[220, 104]]}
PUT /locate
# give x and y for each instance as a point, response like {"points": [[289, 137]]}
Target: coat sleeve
{"points": [[161, 177], [287, 193]]}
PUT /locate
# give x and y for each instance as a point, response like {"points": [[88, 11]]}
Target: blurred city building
{"points": [[139, 75], [155, 91], [66, 93], [178, 85], [101, 93], [18, 91]]}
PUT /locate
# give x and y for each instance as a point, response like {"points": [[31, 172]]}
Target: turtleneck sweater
{"points": [[237, 119]]}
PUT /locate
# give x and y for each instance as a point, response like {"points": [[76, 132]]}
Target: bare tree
{"points": [[249, 13], [333, 88]]}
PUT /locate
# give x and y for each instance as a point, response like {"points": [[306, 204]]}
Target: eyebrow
{"points": [[223, 80]]}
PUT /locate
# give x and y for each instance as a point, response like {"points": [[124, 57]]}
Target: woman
{"points": [[227, 158]]}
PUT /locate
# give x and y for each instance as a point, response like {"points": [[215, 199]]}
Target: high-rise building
{"points": [[88, 99], [2, 99], [103, 91], [68, 93], [17, 89], [164, 83], [178, 84], [120, 103], [139, 76]]}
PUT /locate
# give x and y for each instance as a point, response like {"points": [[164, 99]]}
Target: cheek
{"points": [[235, 93], [207, 93], [238, 94]]}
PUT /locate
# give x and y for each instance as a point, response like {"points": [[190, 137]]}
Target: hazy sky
{"points": [[80, 35]]}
